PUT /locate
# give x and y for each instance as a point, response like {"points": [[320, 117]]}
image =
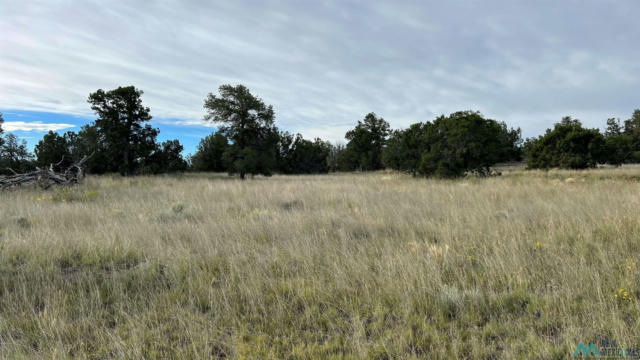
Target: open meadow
{"points": [[365, 266]]}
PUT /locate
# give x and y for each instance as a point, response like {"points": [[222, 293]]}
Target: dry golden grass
{"points": [[339, 266]]}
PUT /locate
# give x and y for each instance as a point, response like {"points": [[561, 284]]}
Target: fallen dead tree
{"points": [[56, 174]]}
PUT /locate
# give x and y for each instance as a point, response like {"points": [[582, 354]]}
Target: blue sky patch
{"points": [[32, 125]]}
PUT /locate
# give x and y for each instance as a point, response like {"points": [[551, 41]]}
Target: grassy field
{"points": [[364, 266]]}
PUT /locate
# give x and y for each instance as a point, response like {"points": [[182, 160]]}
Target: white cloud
{"points": [[34, 126], [324, 65], [187, 122]]}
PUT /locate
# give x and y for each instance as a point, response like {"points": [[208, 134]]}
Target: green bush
{"points": [[451, 146], [568, 146]]}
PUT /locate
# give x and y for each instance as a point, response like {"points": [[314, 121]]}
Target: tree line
{"points": [[247, 142]]}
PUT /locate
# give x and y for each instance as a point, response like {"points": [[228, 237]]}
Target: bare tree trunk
{"points": [[47, 177]]}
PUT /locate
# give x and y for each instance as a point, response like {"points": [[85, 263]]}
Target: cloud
{"points": [[34, 126], [185, 122], [324, 65]]}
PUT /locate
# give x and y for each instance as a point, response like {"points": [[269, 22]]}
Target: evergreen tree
{"points": [[210, 153], [53, 149], [404, 149], [1, 131], [90, 142], [15, 155], [249, 124], [618, 144], [121, 122], [366, 142], [567, 145], [297, 155], [466, 142]]}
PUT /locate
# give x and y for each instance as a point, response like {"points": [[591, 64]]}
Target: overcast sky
{"points": [[323, 64]]}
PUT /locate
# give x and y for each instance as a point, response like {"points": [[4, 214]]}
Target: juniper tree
{"points": [[464, 142], [567, 145]]}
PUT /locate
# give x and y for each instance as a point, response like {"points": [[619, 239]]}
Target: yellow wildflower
{"points": [[623, 294], [539, 245]]}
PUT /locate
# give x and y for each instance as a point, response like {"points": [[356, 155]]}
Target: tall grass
{"points": [[373, 266]]}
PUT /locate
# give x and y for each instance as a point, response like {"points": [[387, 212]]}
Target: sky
{"points": [[323, 65]]}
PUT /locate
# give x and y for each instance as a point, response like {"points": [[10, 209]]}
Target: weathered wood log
{"points": [[45, 178]]}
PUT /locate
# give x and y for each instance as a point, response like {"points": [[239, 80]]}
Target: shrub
{"points": [[568, 146]]}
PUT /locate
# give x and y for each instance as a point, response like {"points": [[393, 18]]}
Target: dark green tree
{"points": [[171, 156], [366, 142], [335, 151], [1, 131], [249, 124], [53, 149], [90, 142], [613, 128], [511, 144], [404, 149], [567, 145], [210, 153], [466, 142], [297, 155], [165, 158], [14, 155], [527, 148], [128, 141], [632, 126], [632, 131], [618, 145]]}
